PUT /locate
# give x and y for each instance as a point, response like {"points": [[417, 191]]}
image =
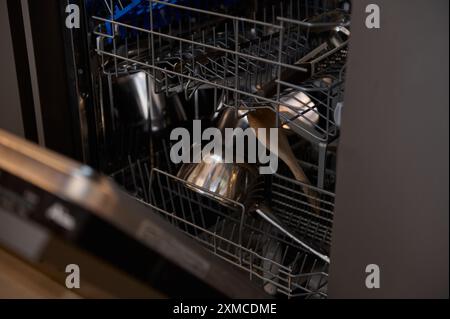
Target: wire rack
{"points": [[255, 61], [230, 231]]}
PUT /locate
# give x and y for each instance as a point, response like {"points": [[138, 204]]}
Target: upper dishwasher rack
{"points": [[257, 62]]}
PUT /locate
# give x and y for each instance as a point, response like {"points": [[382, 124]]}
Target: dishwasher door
{"points": [[55, 212]]}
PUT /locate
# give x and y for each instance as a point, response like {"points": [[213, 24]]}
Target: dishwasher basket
{"points": [[226, 229], [256, 61]]}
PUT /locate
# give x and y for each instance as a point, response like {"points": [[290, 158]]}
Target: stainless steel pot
{"points": [[138, 103], [301, 109], [231, 181]]}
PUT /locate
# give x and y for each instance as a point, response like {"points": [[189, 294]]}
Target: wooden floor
{"points": [[20, 280]]}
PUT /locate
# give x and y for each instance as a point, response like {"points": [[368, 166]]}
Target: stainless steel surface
{"points": [[138, 103], [238, 182], [229, 180], [302, 107], [264, 118], [232, 181]]}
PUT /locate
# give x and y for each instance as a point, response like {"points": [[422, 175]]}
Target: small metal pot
{"points": [[230, 181], [138, 104], [298, 106]]}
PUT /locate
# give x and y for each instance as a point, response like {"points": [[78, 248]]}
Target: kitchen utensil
{"points": [[313, 63], [266, 118], [298, 106], [220, 178], [239, 181], [328, 21], [231, 181], [340, 35], [138, 103]]}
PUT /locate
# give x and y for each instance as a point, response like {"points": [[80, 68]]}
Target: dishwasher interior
{"points": [[159, 65]]}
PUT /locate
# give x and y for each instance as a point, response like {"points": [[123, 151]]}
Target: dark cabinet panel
{"points": [[392, 192]]}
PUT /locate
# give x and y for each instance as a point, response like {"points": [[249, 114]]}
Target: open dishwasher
{"points": [[161, 64], [140, 70]]}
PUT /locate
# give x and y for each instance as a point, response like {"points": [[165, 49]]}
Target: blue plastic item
{"points": [[136, 12]]}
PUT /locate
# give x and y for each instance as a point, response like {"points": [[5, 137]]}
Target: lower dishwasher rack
{"points": [[224, 227]]}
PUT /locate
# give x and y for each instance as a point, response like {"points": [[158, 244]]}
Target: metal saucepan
{"points": [[298, 106], [230, 181], [138, 103]]}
